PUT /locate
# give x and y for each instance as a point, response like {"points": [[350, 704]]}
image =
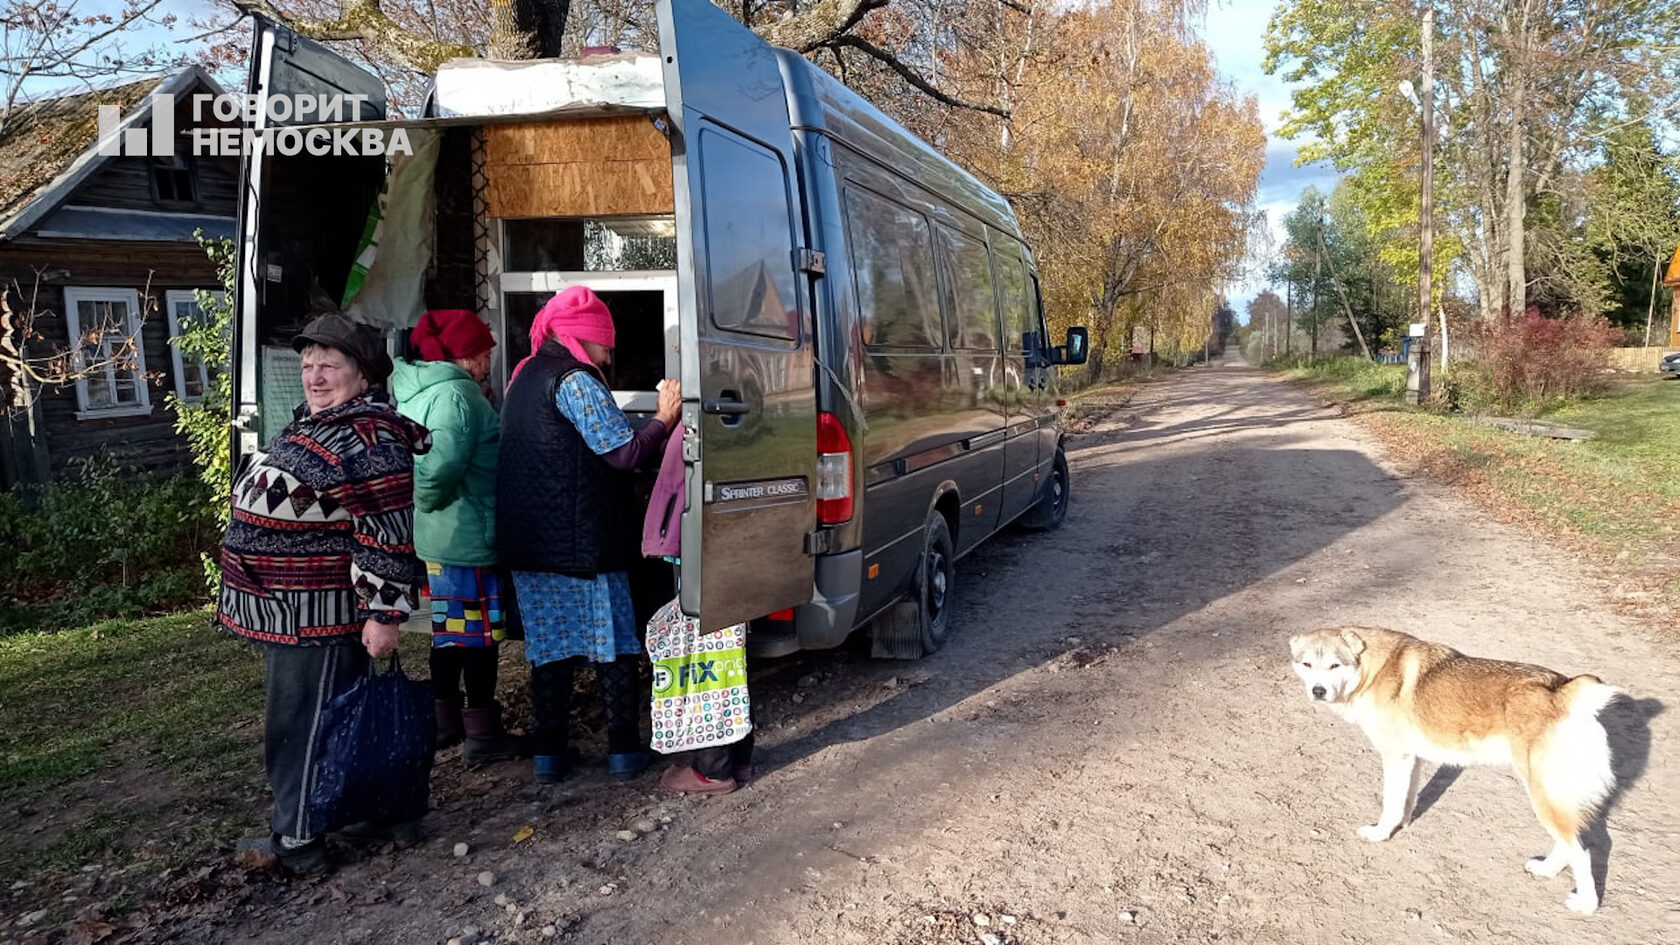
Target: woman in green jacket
{"points": [[454, 525]]}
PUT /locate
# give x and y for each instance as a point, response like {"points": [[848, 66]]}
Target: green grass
{"points": [[132, 741], [106, 726], [1355, 379], [1618, 492], [1638, 433]]}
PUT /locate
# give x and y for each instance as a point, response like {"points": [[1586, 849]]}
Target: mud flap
{"points": [[897, 633]]}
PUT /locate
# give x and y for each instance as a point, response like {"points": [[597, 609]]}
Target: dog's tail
{"points": [[1576, 761]]}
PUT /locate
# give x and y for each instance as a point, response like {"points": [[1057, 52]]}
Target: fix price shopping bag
{"points": [[699, 682]]}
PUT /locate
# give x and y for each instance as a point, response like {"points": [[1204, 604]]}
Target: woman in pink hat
{"points": [[568, 524]]}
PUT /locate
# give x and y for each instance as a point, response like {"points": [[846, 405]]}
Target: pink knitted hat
{"points": [[574, 315]]}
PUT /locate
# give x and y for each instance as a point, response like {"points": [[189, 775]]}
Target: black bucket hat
{"points": [[361, 342]]}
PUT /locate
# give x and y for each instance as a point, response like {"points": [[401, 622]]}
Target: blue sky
{"points": [[1233, 32]]}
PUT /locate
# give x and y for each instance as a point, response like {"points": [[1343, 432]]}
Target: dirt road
{"points": [[1111, 748]]}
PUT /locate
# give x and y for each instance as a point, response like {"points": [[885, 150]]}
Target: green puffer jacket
{"points": [[455, 483]]}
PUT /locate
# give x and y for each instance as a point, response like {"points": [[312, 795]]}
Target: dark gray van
{"points": [[869, 386]]}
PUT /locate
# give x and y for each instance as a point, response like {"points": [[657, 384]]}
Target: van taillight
{"points": [[834, 470]]}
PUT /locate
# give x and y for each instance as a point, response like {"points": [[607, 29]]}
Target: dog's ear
{"points": [[1297, 643], [1355, 643]]}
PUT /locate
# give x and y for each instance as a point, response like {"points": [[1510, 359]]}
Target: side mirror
{"points": [[1077, 348]]}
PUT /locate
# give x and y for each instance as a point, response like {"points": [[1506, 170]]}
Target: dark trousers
{"points": [[551, 704], [720, 762], [476, 665], [301, 681]]}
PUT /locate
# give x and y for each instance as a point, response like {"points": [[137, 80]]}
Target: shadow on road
{"points": [[1628, 722]]}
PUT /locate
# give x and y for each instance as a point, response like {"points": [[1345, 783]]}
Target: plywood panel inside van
{"points": [[582, 167]]}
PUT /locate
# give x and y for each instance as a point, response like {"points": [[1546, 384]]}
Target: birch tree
{"points": [[1524, 87]]}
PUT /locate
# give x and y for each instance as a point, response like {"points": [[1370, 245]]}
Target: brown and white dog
{"points": [[1423, 701]]}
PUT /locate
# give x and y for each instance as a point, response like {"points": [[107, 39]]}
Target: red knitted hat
{"points": [[446, 334]]}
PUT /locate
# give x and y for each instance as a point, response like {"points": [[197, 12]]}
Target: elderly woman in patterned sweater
{"points": [[318, 564], [568, 525]]}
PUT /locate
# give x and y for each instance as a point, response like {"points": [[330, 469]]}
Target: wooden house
{"points": [[97, 253], [1671, 279]]}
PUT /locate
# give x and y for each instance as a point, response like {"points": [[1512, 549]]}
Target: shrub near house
{"points": [[101, 542], [1530, 361]]}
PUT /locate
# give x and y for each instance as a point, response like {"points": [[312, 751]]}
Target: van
{"points": [[869, 388]]}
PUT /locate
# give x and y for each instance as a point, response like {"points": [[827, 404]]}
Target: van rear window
{"points": [[748, 237], [892, 248]]}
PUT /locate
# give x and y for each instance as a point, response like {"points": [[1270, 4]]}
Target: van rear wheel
{"points": [[920, 624], [936, 582]]}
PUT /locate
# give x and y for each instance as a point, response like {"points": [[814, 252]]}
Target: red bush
{"points": [[1530, 359]]}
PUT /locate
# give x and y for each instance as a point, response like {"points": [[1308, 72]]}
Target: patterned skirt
{"points": [[567, 616], [466, 605]]}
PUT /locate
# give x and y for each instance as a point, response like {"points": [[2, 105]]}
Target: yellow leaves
{"points": [[524, 833]]}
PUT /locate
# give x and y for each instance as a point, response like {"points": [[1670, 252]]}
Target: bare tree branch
{"points": [[910, 76], [364, 20]]}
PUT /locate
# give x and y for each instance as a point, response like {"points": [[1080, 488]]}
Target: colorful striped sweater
{"points": [[322, 536]]}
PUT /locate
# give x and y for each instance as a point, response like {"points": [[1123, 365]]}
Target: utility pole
{"points": [[1318, 284], [1288, 314], [1417, 380]]}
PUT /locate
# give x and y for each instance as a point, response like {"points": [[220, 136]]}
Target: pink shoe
{"points": [[683, 779]]}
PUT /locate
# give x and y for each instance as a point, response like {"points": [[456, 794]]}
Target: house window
{"points": [[107, 354], [192, 377], [172, 179]]}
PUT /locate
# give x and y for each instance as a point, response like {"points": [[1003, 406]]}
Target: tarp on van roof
{"points": [[482, 88]]}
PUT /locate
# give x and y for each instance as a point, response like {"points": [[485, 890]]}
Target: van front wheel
{"points": [[1051, 508]]}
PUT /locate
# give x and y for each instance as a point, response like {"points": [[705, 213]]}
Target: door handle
{"points": [[727, 406]]}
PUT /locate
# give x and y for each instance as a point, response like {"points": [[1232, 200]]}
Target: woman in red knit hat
{"points": [[455, 525]]}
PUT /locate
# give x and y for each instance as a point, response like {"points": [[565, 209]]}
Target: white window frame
{"points": [[73, 297], [170, 299], [663, 281]]}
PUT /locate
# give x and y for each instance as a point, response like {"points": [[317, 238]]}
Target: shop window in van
{"points": [[892, 248], [609, 244], [968, 291], [749, 240]]}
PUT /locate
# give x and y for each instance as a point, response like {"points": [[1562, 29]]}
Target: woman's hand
{"points": [[670, 402], [379, 638]]}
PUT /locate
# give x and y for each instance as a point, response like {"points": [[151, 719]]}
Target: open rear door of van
{"points": [[744, 304], [284, 66]]}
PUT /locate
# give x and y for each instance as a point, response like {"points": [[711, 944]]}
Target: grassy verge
{"points": [[1616, 495], [131, 745], [126, 738]]}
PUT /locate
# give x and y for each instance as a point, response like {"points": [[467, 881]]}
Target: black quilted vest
{"points": [[559, 507]]}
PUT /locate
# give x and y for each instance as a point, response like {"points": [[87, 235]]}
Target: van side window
{"points": [[749, 238], [893, 249], [1019, 316], [968, 291]]}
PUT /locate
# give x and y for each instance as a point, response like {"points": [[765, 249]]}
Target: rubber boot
{"points": [[487, 741], [450, 729]]}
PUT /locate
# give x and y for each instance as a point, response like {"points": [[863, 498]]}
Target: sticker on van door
{"points": [[774, 490]]}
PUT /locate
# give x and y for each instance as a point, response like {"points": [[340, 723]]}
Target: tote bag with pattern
{"points": [[699, 682]]}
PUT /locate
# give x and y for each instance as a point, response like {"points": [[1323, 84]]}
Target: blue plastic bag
{"points": [[374, 754]]}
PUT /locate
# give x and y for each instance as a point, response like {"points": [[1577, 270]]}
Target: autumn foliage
{"points": [[1132, 166], [1529, 360]]}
